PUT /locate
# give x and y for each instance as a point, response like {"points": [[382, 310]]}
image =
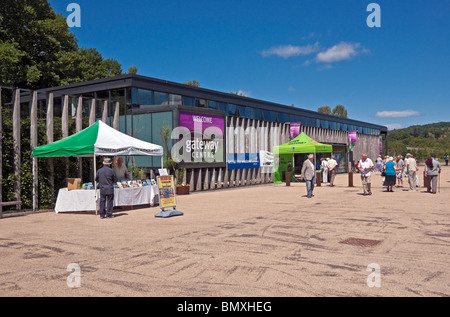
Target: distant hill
{"points": [[421, 140]]}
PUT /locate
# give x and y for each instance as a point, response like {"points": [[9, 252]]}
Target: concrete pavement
{"points": [[264, 241]]}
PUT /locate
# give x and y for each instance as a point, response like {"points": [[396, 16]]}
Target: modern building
{"points": [[241, 132]]}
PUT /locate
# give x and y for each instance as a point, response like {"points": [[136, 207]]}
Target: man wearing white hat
{"points": [[106, 178]]}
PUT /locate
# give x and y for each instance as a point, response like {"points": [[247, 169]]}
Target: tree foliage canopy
{"points": [[37, 50], [421, 140], [338, 111], [193, 83], [324, 109]]}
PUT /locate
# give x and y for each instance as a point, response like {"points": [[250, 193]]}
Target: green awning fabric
{"points": [[98, 139], [80, 144], [302, 144]]}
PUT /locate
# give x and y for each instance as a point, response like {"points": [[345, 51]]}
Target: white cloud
{"points": [[291, 89], [243, 93], [286, 51], [394, 126], [328, 66], [340, 52], [397, 114]]}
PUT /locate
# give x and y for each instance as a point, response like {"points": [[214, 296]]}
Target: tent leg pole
{"points": [[95, 184], [162, 162]]}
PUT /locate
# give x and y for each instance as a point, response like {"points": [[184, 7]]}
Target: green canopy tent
{"points": [[301, 144], [99, 139]]}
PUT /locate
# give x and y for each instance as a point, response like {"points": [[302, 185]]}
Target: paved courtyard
{"points": [[263, 241]]}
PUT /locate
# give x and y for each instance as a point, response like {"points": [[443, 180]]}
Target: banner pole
{"points": [[95, 184]]}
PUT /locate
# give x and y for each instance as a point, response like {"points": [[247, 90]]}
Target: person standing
{"points": [[309, 175], [400, 165], [106, 178], [432, 171], [120, 169], [391, 172], [379, 163], [324, 168], [365, 168], [411, 168], [332, 164], [446, 159]]}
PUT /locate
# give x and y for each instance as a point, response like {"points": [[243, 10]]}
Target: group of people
{"points": [[328, 166], [392, 171]]}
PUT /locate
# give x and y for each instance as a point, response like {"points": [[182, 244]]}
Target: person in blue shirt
{"points": [[391, 173]]}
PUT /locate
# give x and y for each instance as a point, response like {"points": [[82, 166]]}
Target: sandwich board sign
{"points": [[167, 197]]}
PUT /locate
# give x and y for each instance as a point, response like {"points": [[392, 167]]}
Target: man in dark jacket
{"points": [[106, 178]]}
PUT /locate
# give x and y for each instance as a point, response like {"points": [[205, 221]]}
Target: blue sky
{"points": [[309, 53]]}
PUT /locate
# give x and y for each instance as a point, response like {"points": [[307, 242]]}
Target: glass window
{"points": [[270, 115], [134, 95], [232, 109], [241, 111], [344, 127], [332, 125], [360, 130], [212, 104], [118, 95], [188, 101], [200, 102], [246, 112], [161, 98], [283, 117], [249, 113], [145, 97], [257, 113], [174, 99], [324, 124], [222, 106]]}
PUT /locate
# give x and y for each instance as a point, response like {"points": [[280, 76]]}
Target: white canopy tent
{"points": [[98, 140]]}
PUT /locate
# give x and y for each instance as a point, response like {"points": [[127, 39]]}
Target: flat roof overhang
{"points": [[144, 82]]}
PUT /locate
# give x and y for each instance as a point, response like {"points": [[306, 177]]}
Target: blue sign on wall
{"points": [[242, 160]]}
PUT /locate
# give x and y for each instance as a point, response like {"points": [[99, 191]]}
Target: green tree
{"points": [[339, 111], [132, 70], [37, 50], [192, 83], [324, 109], [85, 64], [421, 139]]}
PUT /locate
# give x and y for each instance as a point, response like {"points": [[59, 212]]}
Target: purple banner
{"points": [[206, 141], [294, 129], [193, 121], [352, 135]]}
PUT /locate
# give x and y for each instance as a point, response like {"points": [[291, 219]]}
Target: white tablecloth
{"points": [[84, 200]]}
